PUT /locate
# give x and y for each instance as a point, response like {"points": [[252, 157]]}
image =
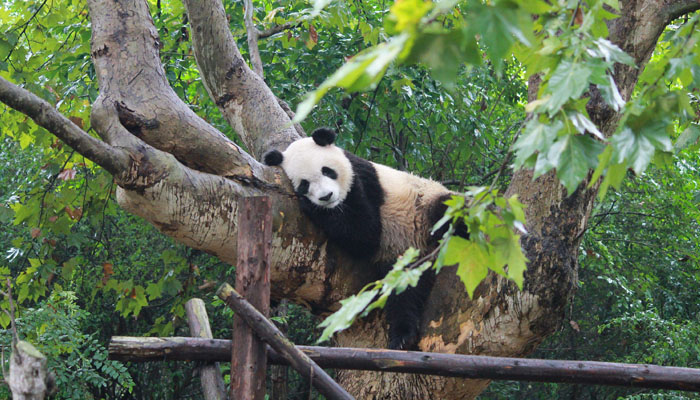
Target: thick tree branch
{"points": [[108, 157], [242, 96], [253, 33], [125, 50], [677, 9], [196, 208]]}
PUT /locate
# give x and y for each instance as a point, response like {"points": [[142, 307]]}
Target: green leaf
{"points": [[140, 297], [442, 6], [344, 317], [444, 53], [170, 256], [689, 137], [4, 320], [583, 124], [655, 133], [611, 53], [472, 262], [632, 149], [154, 290], [537, 136], [663, 159], [608, 89], [507, 251], [615, 4], [516, 207], [603, 161], [318, 6], [568, 81], [536, 6], [23, 293], [406, 14], [497, 26], [614, 176], [25, 140], [577, 154], [360, 72], [68, 268], [25, 212]]}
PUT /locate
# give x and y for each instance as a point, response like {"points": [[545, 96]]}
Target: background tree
{"points": [[184, 175]]}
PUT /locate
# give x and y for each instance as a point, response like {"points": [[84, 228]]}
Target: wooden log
{"points": [[249, 357], [268, 332], [416, 362], [213, 387]]}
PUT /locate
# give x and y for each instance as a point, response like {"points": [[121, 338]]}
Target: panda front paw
{"points": [[403, 337]]}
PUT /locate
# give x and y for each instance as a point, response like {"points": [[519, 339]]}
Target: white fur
{"points": [[304, 159], [404, 214]]}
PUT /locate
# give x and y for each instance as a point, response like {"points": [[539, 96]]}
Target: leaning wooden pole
{"points": [[249, 356], [455, 365], [209, 374], [268, 332]]}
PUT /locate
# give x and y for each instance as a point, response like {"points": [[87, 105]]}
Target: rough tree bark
{"points": [[29, 379], [186, 178]]}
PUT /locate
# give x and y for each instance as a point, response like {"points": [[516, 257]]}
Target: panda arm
{"points": [[354, 226]]}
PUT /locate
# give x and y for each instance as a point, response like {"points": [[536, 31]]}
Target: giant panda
{"points": [[371, 211]]}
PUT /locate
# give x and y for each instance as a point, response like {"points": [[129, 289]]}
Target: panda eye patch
{"points": [[329, 172], [303, 187]]}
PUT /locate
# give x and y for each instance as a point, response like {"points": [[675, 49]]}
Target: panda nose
{"points": [[326, 197]]}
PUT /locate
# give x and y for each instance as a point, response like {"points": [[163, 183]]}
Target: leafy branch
{"points": [[492, 245]]}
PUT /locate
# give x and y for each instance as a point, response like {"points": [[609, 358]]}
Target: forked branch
{"points": [[244, 99]]}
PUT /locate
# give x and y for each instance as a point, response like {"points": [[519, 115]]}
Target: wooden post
{"points": [[249, 356], [269, 333], [212, 383]]}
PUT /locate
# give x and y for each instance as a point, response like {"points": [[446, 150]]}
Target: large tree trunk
{"points": [[186, 178]]}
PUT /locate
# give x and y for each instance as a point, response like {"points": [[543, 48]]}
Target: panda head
{"points": [[318, 169]]}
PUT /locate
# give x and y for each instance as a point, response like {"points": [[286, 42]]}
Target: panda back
{"points": [[407, 211]]}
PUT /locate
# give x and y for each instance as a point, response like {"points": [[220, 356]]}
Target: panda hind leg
{"points": [[403, 313]]}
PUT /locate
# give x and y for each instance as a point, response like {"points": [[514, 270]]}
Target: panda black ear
{"points": [[323, 136], [273, 157]]}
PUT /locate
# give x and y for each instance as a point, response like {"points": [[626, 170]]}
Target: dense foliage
{"points": [[82, 270]]}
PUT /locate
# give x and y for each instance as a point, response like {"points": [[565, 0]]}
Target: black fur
{"points": [[404, 311], [329, 172], [273, 157], [323, 136], [355, 225], [437, 210]]}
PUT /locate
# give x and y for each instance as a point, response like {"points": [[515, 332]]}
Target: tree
{"points": [[185, 177]]}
